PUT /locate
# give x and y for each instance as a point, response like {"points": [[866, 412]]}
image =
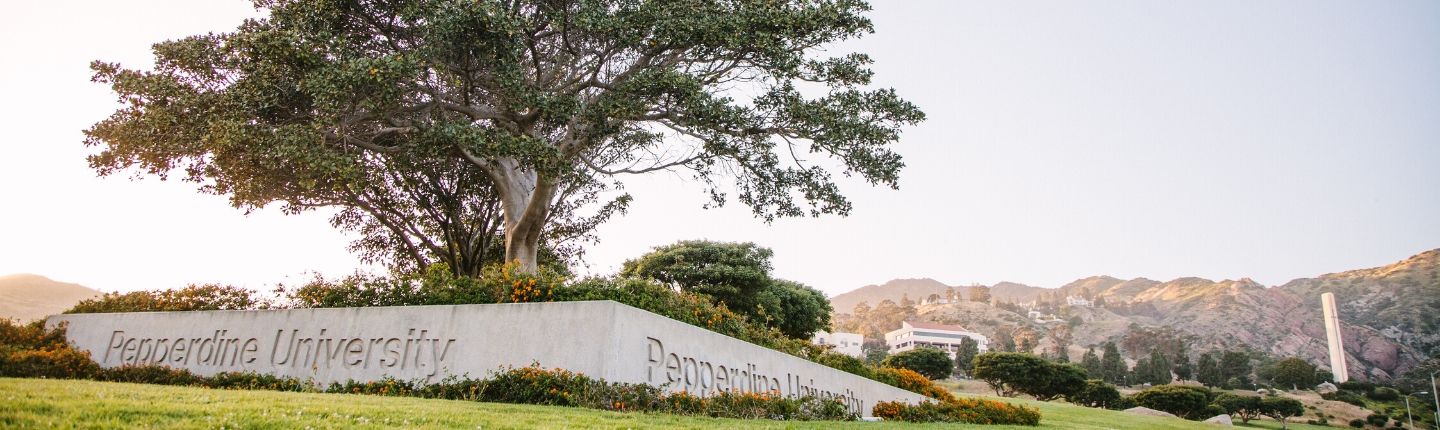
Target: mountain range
{"points": [[1390, 315], [28, 297]]}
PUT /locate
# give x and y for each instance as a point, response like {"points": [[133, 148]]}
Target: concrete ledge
{"points": [[602, 339]]}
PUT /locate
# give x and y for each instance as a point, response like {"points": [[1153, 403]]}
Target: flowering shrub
{"points": [[968, 411], [29, 350], [513, 286], [907, 379], [748, 405]]}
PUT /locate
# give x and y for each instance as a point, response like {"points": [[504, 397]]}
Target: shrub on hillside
{"points": [[1345, 396], [1183, 401], [1383, 394], [968, 411], [931, 362], [1377, 420], [1096, 394], [208, 297]]}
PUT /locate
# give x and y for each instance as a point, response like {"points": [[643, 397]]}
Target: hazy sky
{"points": [[1270, 140]]}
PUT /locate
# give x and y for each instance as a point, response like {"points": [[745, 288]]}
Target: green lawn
{"points": [[40, 403]]}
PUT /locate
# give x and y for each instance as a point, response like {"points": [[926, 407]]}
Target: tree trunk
{"points": [[525, 198]]}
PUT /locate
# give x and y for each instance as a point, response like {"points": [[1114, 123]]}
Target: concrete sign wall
{"points": [[601, 339]]}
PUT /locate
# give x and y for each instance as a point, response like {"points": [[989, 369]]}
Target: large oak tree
{"points": [[547, 100]]}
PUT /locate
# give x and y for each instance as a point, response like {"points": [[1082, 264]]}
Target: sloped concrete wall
{"points": [[603, 338]]}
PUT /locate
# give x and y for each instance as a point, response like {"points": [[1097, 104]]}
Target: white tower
{"points": [[1332, 336]]}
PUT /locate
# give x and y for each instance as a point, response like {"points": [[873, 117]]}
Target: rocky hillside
{"points": [[28, 297], [1390, 315]]}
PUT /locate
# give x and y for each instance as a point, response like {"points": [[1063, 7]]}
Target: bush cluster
{"points": [[29, 350], [208, 297], [1345, 396], [968, 411], [908, 380]]}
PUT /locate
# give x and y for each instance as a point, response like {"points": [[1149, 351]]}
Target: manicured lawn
{"points": [[40, 403]]}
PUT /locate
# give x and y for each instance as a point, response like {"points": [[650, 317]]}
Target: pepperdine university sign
{"points": [[602, 339]]}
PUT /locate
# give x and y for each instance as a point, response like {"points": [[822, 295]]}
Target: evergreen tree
{"points": [[1159, 369], [1181, 363], [1091, 363], [1003, 341], [965, 357], [1235, 365], [1207, 371], [1111, 365], [1141, 373]]}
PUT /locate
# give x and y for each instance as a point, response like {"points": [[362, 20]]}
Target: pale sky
{"points": [[1221, 139]]}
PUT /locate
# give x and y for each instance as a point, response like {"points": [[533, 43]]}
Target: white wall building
{"points": [[1078, 301], [850, 344], [913, 334]]}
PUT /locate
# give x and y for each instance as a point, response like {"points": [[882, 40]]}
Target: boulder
{"points": [[1262, 391], [1221, 419], [1141, 410], [1326, 388]]}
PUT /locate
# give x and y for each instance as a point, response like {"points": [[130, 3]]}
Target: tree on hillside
{"points": [[1281, 409], [1141, 373], [1235, 365], [965, 356], [979, 293], [1026, 339], [933, 363], [1159, 369], [1003, 341], [951, 295], [546, 99], [1292, 372], [933, 298], [1207, 371], [862, 310], [1091, 363], [1181, 364], [1112, 366]]}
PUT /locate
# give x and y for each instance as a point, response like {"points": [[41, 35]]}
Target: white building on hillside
{"points": [[1078, 301], [850, 344], [913, 334]]}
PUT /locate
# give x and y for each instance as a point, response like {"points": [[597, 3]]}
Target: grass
{"points": [[42, 403]]}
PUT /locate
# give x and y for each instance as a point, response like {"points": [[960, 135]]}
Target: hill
{"points": [[28, 297], [1390, 315], [894, 290], [43, 403]]}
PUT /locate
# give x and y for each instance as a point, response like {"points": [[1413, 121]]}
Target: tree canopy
{"points": [[933, 363], [543, 103], [738, 276]]}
